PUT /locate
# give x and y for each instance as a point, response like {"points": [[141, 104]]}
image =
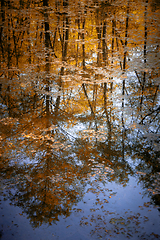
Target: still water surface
{"points": [[79, 120]]}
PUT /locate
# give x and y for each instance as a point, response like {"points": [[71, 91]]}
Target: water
{"points": [[79, 120]]}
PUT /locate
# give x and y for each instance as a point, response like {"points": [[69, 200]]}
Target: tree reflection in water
{"points": [[80, 111]]}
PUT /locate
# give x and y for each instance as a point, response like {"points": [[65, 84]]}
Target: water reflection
{"points": [[79, 105]]}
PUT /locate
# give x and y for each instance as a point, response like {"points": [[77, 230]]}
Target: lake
{"points": [[79, 119]]}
